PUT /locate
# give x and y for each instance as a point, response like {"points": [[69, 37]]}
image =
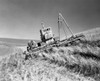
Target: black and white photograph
{"points": [[49, 40]]}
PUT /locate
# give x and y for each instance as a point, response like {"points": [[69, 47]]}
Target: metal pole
{"points": [[59, 27], [66, 24]]}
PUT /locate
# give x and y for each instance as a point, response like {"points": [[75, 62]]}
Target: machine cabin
{"points": [[46, 35]]}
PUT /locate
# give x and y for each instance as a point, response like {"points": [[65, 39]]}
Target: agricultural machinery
{"points": [[48, 40]]}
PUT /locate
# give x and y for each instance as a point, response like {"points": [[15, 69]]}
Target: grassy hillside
{"points": [[80, 62], [9, 45], [44, 67], [92, 34], [15, 42]]}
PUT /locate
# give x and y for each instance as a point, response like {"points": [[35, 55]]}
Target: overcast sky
{"points": [[22, 18]]}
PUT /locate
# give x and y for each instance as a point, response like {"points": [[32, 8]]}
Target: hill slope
{"points": [[92, 34], [9, 45], [79, 62], [15, 42]]}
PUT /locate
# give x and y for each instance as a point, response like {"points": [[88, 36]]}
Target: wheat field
{"points": [[79, 62]]}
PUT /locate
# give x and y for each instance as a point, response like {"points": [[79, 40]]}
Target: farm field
{"points": [[79, 62]]}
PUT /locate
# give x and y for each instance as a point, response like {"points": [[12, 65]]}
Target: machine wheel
{"points": [[28, 49]]}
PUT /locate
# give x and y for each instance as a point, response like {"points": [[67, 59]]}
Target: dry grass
{"points": [[56, 64], [93, 34], [80, 62], [14, 68], [83, 59]]}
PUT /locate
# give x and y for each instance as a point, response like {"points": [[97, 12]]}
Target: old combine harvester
{"points": [[48, 40]]}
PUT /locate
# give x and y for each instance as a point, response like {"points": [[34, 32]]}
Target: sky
{"points": [[22, 19]]}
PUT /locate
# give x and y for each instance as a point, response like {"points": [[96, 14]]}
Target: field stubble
{"points": [[74, 63]]}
